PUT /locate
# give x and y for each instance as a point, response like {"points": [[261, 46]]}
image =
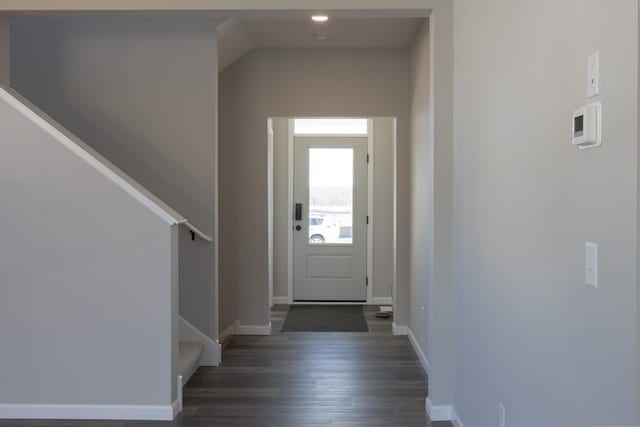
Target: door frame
{"points": [[270, 202], [290, 166]]}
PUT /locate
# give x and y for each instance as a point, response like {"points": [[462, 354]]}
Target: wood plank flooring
{"points": [[301, 379]]}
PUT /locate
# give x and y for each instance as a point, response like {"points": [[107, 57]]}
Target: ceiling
{"points": [[238, 35], [342, 31]]}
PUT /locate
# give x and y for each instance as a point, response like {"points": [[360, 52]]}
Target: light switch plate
{"points": [[591, 264], [593, 75]]}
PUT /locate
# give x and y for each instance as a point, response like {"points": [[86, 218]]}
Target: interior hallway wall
{"points": [[141, 92], [638, 232], [431, 209], [4, 50], [383, 183], [86, 308], [280, 207], [529, 333], [421, 171], [289, 82], [382, 158]]}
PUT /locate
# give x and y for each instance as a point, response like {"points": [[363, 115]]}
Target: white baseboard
{"points": [[212, 352], [231, 330], [399, 329], [438, 413], [89, 412], [382, 301], [176, 406], [280, 300], [416, 346], [455, 419], [253, 329]]}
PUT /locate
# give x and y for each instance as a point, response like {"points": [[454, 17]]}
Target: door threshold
{"points": [[328, 302]]}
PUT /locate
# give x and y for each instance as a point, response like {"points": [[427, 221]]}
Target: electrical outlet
{"points": [[502, 415]]}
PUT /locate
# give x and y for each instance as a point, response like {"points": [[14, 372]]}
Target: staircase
{"points": [[90, 265], [189, 355]]}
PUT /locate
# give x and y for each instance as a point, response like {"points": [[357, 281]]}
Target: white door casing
{"points": [[330, 184]]}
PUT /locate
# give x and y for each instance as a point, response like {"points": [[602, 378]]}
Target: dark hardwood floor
{"points": [[302, 379]]}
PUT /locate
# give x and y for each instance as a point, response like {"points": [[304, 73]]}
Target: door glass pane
{"points": [[330, 195]]}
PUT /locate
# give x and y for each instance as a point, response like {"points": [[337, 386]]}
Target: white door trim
{"points": [[290, 138], [216, 218], [270, 205], [370, 160]]}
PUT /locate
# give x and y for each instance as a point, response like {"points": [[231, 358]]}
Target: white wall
{"points": [[142, 92], [88, 275], [383, 171], [4, 50], [285, 83], [529, 333]]}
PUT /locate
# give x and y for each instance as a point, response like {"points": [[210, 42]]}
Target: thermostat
{"points": [[587, 126]]}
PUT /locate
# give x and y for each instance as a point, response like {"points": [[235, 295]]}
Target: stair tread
{"points": [[189, 354]]}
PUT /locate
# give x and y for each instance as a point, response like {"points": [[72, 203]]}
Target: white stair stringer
{"points": [[212, 350], [189, 354]]}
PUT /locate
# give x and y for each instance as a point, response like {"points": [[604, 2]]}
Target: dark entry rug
{"points": [[325, 318]]}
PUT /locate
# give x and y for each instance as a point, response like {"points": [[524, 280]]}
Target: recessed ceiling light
{"points": [[320, 18]]}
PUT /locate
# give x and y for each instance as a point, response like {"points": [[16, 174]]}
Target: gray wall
{"points": [[219, 5], [290, 82], [280, 206], [230, 119], [382, 210], [431, 309], [383, 180], [142, 92], [529, 332], [86, 272], [4, 50], [421, 207]]}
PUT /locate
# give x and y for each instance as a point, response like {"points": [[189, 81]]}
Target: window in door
{"points": [[330, 195]]}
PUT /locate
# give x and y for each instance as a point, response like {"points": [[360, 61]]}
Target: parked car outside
{"points": [[323, 229]]}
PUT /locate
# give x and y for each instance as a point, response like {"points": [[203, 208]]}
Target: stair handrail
{"points": [[195, 232]]}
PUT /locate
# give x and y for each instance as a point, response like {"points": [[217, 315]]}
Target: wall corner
{"points": [[4, 50]]}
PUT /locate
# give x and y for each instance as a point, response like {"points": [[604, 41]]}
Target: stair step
{"points": [[189, 354]]}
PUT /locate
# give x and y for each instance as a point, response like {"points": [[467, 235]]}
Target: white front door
{"points": [[330, 219]]}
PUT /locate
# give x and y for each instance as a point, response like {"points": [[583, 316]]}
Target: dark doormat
{"points": [[325, 318]]}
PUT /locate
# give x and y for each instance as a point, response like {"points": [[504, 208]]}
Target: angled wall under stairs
{"points": [[89, 272]]}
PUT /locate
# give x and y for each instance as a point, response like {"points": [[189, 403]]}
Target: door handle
{"points": [[298, 211]]}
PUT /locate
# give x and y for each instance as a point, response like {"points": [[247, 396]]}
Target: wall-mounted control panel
{"points": [[587, 126]]}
